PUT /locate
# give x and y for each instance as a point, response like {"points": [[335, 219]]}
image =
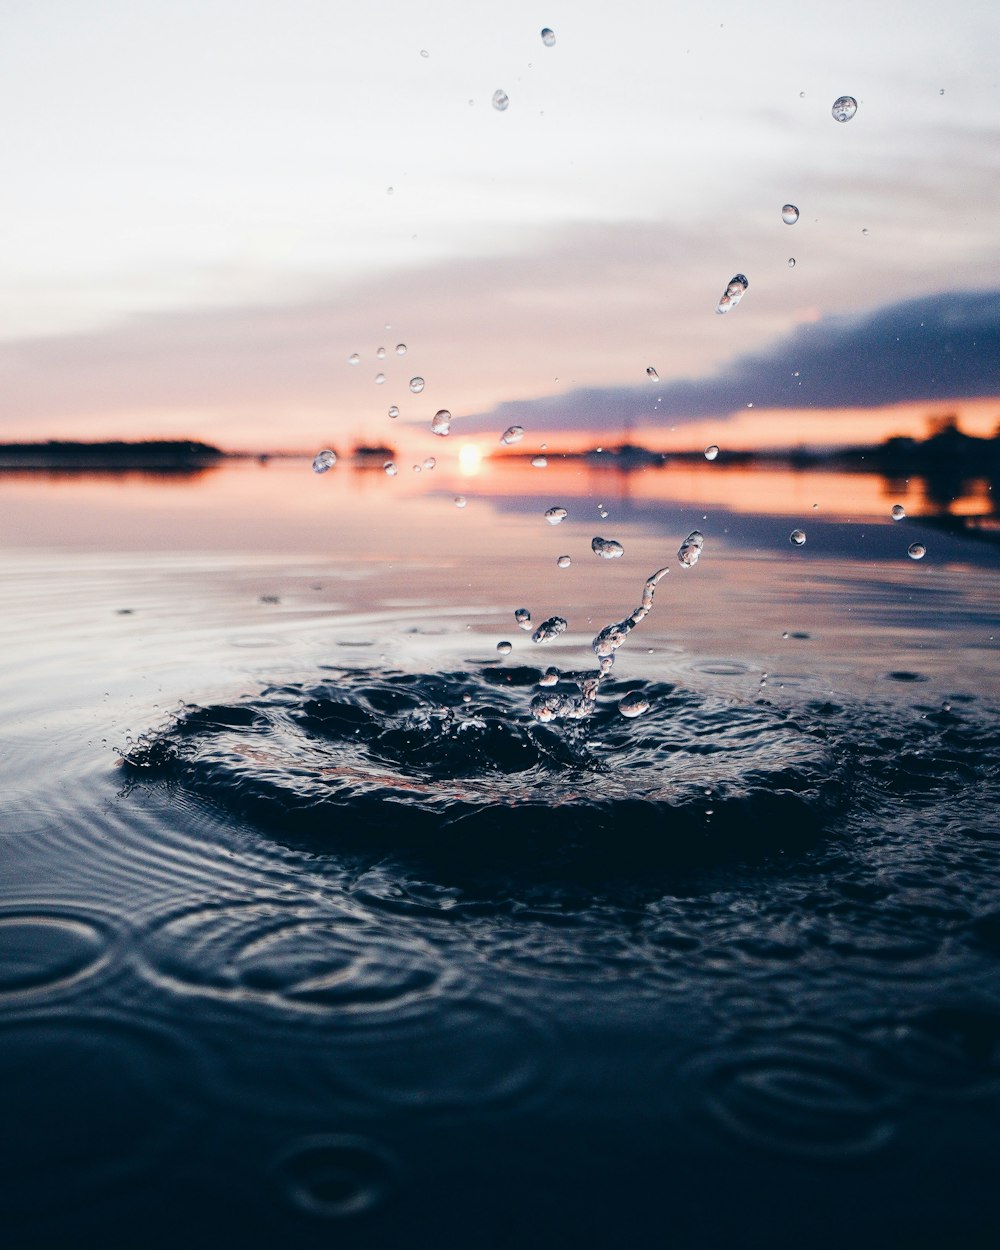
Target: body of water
{"points": [[315, 933]]}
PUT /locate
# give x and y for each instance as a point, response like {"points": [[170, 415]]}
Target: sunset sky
{"points": [[209, 207]]}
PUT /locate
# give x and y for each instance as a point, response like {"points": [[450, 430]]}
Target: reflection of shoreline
{"points": [[58, 458]]}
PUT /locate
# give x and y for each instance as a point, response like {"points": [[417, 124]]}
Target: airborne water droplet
{"points": [[791, 262], [504, 648], [555, 515], [898, 512], [390, 469], [844, 108], [381, 353], [379, 379], [549, 629], [711, 452], [652, 374], [400, 349], [354, 359], [734, 292], [324, 460], [689, 552], [606, 548], [523, 618], [789, 214], [564, 562], [797, 538], [916, 551], [500, 100], [460, 501], [512, 434], [633, 704], [430, 462], [393, 411], [416, 385], [539, 462], [549, 677], [441, 422], [549, 38]]}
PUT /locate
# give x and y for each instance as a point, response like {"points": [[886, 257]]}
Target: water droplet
{"points": [[549, 38], [549, 629], [500, 100], [549, 677], [430, 462], [504, 648], [512, 434], [523, 618], [633, 704], [897, 512], [555, 515], [381, 353], [844, 108], [416, 385], [736, 288], [354, 359], [916, 551], [324, 460], [393, 411], [789, 214], [602, 513], [606, 548], [864, 230], [441, 422], [791, 262], [424, 53], [689, 552], [460, 501], [711, 452], [539, 462], [652, 374], [564, 562], [797, 538], [400, 349], [379, 379], [416, 468], [390, 469]]}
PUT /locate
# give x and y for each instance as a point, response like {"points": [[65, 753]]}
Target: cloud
{"points": [[941, 347]]}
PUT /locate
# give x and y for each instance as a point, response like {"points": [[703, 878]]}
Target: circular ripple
{"points": [[334, 1177], [809, 1094], [45, 953], [17, 819], [291, 956]]}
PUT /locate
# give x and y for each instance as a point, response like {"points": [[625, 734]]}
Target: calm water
{"points": [[312, 935]]}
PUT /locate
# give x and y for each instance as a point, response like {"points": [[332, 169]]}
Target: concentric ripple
{"points": [[44, 953], [334, 1177], [457, 761]]}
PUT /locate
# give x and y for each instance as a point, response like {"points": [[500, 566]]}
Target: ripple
{"points": [[291, 956], [813, 1094], [44, 953], [17, 819], [335, 1177]]}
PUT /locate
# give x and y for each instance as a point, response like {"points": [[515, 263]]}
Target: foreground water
{"points": [[312, 933]]}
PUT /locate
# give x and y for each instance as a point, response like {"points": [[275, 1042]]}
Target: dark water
{"points": [[312, 935]]}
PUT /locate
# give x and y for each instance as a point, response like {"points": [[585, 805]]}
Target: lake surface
{"points": [[313, 934]]}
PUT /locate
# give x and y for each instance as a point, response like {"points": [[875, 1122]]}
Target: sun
{"points": [[470, 459]]}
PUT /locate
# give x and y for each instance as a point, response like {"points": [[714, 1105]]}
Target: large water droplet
{"points": [[324, 460], [549, 38], [564, 562], [400, 349], [916, 551], [393, 411], [633, 704], [791, 262], [689, 552], [652, 374], [500, 100], [390, 469], [789, 214], [441, 422], [797, 538], [555, 515], [549, 629], [416, 385], [897, 512], [844, 108], [460, 501], [523, 618], [354, 359], [512, 434], [606, 548], [734, 292], [504, 648], [711, 452], [539, 462], [549, 677]]}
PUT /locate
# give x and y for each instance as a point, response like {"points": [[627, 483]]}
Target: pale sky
{"points": [[198, 226]]}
